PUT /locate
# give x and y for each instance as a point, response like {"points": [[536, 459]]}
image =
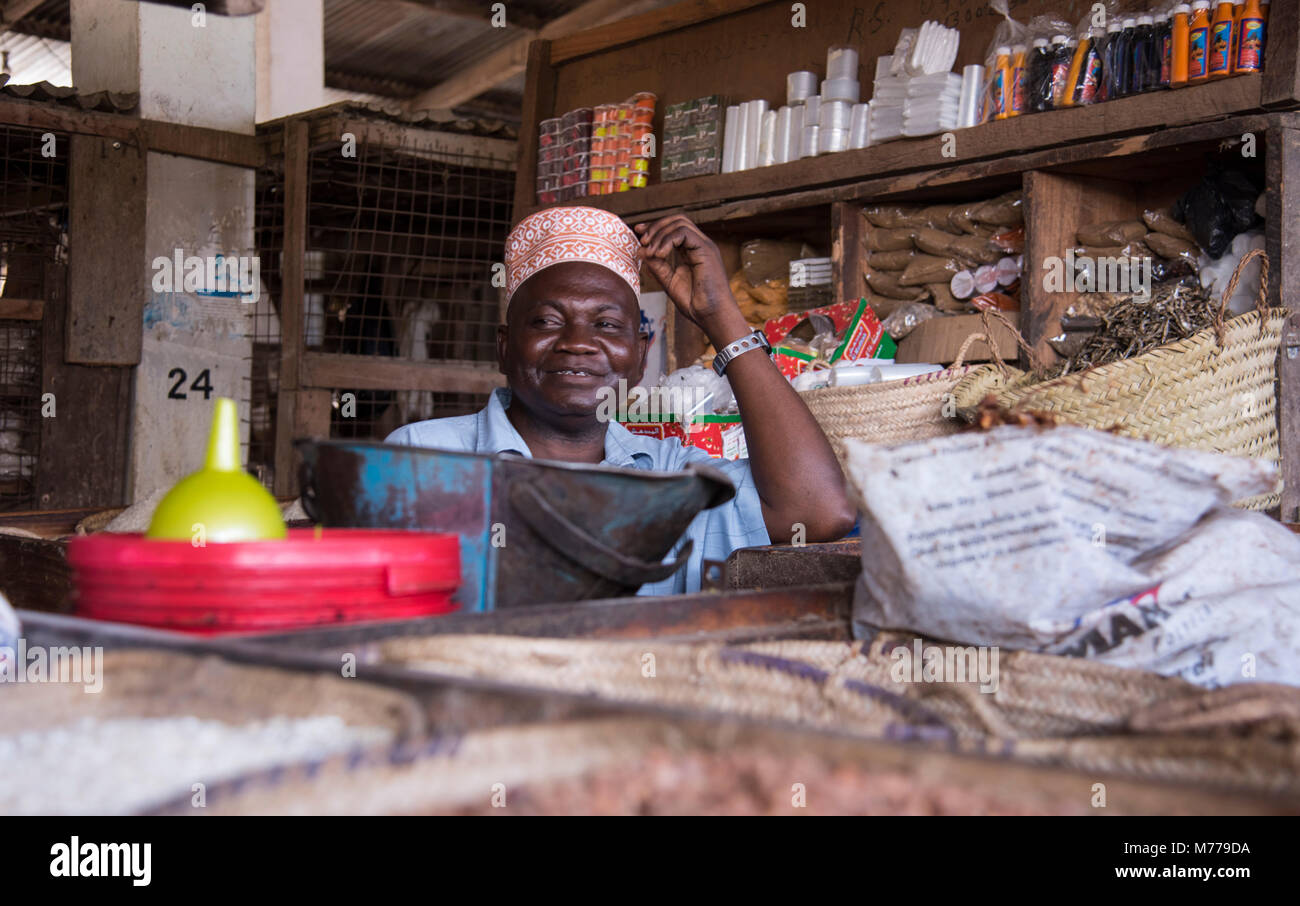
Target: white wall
{"points": [[290, 58]]}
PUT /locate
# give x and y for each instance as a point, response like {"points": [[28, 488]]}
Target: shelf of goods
{"points": [[1074, 166]]}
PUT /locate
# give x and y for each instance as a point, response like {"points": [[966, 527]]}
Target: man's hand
{"points": [[689, 266], [798, 480]]}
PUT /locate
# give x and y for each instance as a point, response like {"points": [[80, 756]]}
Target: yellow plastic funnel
{"points": [[220, 502]]}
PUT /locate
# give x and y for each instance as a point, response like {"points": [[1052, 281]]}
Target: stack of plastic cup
{"points": [[621, 144], [730, 138], [841, 82], [550, 159], [576, 165], [968, 107], [858, 136], [812, 109], [799, 86], [835, 119]]}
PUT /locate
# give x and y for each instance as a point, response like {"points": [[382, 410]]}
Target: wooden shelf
{"points": [[1122, 127]]}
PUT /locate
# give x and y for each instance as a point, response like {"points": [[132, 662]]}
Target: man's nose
{"points": [[576, 338]]}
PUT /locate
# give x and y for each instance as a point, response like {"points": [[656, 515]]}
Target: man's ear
{"points": [[503, 341], [643, 346]]}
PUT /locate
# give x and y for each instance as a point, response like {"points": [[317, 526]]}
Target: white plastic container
{"points": [[842, 62], [800, 86], [968, 106], [841, 90], [835, 115], [730, 136]]}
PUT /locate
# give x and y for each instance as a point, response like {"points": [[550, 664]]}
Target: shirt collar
{"points": [[496, 434]]}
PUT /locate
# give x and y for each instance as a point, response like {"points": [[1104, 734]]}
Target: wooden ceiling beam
{"points": [[476, 10], [512, 59], [14, 10]]}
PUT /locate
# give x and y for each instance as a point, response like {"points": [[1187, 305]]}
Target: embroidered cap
{"points": [[556, 235]]}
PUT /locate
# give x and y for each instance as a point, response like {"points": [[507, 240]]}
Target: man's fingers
{"points": [[671, 238], [655, 231]]}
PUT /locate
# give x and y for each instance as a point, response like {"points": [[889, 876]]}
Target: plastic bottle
{"points": [[1062, 56], [1142, 52], [1263, 8], [1220, 41], [1089, 87], [1249, 52], [1055, 51], [1019, 76], [1000, 84], [1164, 46], [1122, 83], [1108, 59], [1250, 48], [1179, 37], [1070, 97], [1234, 48], [1198, 43], [1039, 87]]}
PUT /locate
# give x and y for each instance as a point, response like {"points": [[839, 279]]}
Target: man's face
{"points": [[570, 330]]}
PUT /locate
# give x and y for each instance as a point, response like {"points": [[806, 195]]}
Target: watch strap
{"points": [[755, 340]]}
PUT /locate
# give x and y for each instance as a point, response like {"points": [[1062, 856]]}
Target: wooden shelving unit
{"points": [[1074, 166]]}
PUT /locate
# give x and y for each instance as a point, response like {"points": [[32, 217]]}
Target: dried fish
{"points": [[1134, 324]]}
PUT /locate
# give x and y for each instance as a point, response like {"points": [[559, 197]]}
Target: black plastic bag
{"points": [[1218, 208]]}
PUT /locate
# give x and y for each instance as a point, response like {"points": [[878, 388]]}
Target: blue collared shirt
{"points": [[716, 532]]}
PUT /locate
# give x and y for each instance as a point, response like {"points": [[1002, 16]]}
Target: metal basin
{"points": [[531, 531]]}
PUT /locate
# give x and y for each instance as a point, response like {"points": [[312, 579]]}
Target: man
{"points": [[573, 328]]}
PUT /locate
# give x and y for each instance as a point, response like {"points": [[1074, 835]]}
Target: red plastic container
{"points": [[315, 576]]}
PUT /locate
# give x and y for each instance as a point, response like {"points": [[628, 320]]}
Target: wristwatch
{"points": [[755, 340]]}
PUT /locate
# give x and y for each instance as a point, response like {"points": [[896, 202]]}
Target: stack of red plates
{"points": [[315, 576]]}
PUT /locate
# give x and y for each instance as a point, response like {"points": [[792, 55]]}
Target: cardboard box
{"points": [[721, 436], [936, 341]]}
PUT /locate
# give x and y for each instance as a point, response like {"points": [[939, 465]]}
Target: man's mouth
{"points": [[574, 371]]}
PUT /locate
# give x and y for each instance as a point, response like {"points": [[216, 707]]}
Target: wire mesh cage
{"points": [[33, 250], [404, 260], [359, 414]]}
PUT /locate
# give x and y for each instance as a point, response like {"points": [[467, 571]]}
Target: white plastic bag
{"points": [[1042, 539]]}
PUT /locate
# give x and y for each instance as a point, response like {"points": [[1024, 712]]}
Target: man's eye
{"points": [[604, 324]]}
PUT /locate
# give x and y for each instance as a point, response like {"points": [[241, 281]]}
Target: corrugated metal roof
{"points": [[34, 59], [392, 110], [103, 101], [373, 48]]}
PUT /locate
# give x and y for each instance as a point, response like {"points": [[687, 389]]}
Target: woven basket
{"points": [[1214, 391], [891, 412], [1049, 709]]}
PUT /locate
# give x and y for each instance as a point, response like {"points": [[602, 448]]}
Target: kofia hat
{"points": [[556, 235]]}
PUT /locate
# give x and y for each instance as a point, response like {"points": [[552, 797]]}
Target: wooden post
{"points": [[108, 276], [1282, 243], [539, 104], [291, 303], [1282, 54], [847, 253], [1055, 206], [84, 439]]}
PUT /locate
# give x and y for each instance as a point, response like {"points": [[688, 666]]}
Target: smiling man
{"points": [[573, 328]]}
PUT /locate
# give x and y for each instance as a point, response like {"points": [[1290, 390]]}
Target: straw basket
{"points": [[1213, 391], [892, 412]]}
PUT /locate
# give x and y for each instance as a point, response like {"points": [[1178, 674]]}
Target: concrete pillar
{"points": [[290, 58], [198, 70]]}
